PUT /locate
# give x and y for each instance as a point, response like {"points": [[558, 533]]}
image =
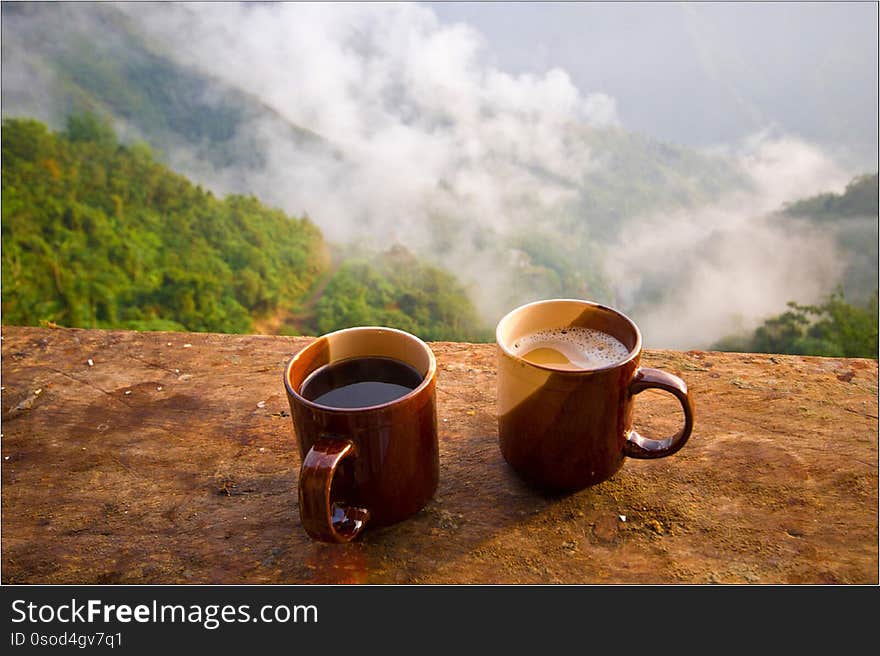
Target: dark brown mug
{"points": [[373, 465], [569, 429]]}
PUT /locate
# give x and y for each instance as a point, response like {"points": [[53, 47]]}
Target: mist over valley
{"points": [[444, 189]]}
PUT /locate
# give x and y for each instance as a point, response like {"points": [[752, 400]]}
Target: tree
{"points": [[89, 127], [835, 328]]}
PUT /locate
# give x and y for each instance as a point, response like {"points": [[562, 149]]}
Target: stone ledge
{"points": [[170, 459]]}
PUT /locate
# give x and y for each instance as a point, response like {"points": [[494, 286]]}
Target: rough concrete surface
{"points": [[170, 458]]}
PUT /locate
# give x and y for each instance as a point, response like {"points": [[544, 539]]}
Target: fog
{"points": [[728, 265], [430, 131]]}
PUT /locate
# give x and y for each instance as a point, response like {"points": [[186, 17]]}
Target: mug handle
{"points": [[636, 445], [322, 518]]}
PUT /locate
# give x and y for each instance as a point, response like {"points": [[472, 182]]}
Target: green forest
{"points": [[834, 328], [397, 290], [97, 234]]}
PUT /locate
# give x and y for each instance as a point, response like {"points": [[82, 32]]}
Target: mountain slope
{"points": [[92, 58], [100, 235], [852, 218]]}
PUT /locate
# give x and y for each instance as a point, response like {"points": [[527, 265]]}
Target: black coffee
{"points": [[360, 382]]}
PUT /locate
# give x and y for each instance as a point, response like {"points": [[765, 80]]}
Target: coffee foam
{"points": [[585, 348]]}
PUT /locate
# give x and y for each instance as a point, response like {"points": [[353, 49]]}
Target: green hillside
{"points": [[97, 234], [834, 328], [635, 174], [396, 289], [100, 235], [859, 199]]}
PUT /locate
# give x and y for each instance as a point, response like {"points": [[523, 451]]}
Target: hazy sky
{"points": [[702, 73]]}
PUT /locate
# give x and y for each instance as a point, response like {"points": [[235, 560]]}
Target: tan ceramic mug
{"points": [[565, 425]]}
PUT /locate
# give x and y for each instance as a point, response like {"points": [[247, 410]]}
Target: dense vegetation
{"points": [[395, 289], [97, 234], [835, 329], [858, 200]]}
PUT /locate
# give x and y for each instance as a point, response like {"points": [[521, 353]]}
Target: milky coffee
{"points": [[570, 348]]}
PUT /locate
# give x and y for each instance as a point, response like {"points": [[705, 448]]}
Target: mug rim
{"points": [[633, 352], [429, 374]]}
